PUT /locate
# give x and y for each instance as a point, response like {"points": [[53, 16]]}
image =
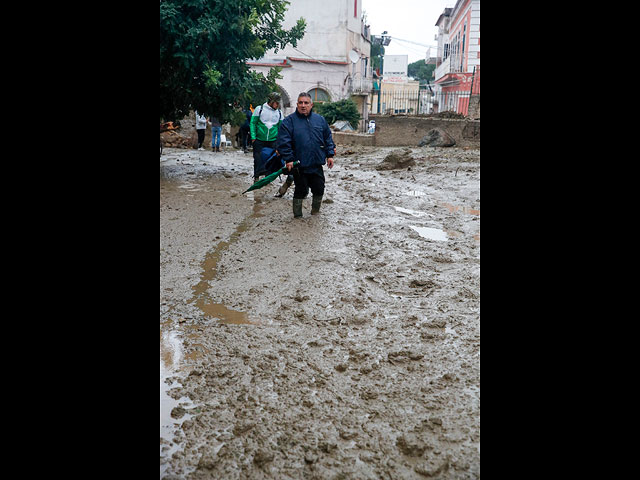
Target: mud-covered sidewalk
{"points": [[341, 345]]}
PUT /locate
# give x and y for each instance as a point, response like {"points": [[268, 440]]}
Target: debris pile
{"points": [[342, 126], [173, 139], [173, 136], [437, 138], [397, 160]]}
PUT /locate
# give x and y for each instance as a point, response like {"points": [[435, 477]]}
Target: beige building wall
{"points": [[396, 97]]}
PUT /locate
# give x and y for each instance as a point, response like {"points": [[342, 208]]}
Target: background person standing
{"points": [[245, 130], [216, 132], [201, 127], [264, 126]]}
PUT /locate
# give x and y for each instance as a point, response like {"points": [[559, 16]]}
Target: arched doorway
{"points": [[286, 99], [318, 95]]}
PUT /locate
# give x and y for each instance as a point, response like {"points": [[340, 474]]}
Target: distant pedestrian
{"points": [[265, 121], [201, 127], [305, 136], [245, 130], [216, 132]]}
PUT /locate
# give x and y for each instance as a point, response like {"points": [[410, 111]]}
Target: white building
{"points": [[331, 62]]}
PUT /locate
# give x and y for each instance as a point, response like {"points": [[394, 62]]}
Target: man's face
{"points": [[275, 105], [304, 105]]}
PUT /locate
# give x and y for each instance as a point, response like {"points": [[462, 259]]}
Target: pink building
{"points": [[458, 59]]}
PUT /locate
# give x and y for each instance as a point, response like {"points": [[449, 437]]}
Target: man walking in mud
{"points": [[305, 136]]}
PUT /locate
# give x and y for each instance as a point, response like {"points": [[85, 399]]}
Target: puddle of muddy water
{"points": [[415, 193], [431, 233], [413, 213], [458, 208], [171, 361], [223, 314], [201, 297]]}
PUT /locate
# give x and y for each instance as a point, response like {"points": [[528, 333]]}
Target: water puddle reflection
{"points": [[201, 296], [413, 213], [431, 233], [223, 314], [457, 208], [415, 193], [171, 362]]}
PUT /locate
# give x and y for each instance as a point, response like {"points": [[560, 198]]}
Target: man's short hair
{"points": [[304, 94]]}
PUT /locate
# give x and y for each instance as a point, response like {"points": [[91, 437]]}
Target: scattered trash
{"points": [[372, 127], [343, 126]]}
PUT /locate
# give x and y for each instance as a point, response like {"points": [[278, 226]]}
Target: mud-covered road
{"points": [[344, 345]]}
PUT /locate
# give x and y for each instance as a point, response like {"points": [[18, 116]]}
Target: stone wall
{"points": [[397, 130], [404, 131], [344, 138]]}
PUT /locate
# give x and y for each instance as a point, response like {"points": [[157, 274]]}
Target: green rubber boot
{"points": [[297, 207], [315, 204]]}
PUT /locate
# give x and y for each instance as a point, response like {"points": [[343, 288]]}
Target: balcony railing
{"points": [[360, 85], [452, 64]]}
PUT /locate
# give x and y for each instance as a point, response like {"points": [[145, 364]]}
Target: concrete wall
{"points": [[403, 131], [343, 138]]}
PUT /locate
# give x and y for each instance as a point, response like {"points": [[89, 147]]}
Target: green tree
{"points": [[341, 110], [204, 46], [421, 71], [377, 51]]}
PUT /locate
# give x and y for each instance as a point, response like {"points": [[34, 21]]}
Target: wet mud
{"points": [[340, 345]]}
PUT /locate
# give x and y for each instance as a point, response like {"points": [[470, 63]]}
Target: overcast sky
{"points": [[412, 20]]}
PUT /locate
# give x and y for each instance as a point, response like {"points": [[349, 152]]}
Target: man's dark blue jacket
{"points": [[306, 139]]}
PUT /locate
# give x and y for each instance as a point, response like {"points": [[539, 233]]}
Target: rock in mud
{"points": [[341, 367], [397, 161], [178, 412], [263, 457], [411, 445], [437, 138], [432, 469]]}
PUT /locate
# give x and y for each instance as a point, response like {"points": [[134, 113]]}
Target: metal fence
{"points": [[421, 102], [426, 100]]}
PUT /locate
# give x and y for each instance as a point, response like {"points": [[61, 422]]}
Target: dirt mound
{"points": [[397, 160], [447, 115]]}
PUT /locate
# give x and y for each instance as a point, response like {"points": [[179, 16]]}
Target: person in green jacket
{"points": [[264, 126]]}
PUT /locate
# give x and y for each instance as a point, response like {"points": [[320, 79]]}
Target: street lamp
{"points": [[383, 40]]}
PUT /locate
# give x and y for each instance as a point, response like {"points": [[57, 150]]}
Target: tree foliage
{"points": [[204, 46], [377, 51], [341, 110], [421, 71]]}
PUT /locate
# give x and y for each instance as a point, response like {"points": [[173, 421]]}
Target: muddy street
{"points": [[340, 345]]}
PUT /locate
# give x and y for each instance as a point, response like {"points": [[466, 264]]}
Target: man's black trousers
{"points": [[305, 181]]}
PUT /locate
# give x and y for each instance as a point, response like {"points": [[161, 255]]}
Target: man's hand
{"points": [[289, 165], [330, 162]]}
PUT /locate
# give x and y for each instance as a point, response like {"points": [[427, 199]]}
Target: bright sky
{"points": [[412, 20]]}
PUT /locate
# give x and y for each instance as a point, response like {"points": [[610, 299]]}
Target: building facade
{"points": [[457, 71], [331, 62]]}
